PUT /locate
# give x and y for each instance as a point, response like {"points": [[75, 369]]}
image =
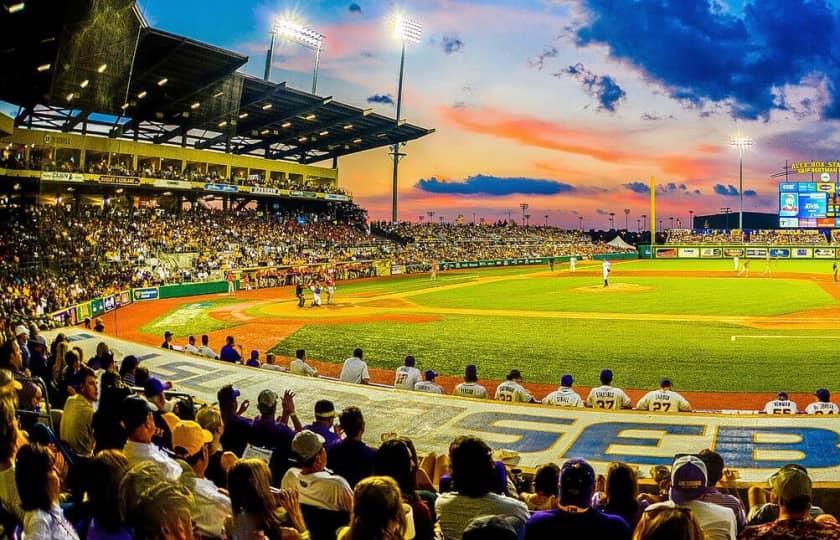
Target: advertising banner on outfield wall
{"points": [[779, 253], [823, 253], [666, 253], [688, 253], [711, 253], [756, 253], [733, 252], [148, 293], [97, 307], [756, 446], [83, 311], [802, 253]]}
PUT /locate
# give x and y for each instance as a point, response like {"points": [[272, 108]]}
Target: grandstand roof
{"points": [[108, 72]]}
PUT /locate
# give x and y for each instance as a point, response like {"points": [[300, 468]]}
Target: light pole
{"points": [[741, 143], [612, 220], [407, 31], [726, 212], [691, 219], [672, 221], [523, 206], [626, 215], [527, 219], [581, 223], [421, 218], [431, 214], [638, 226], [546, 221], [295, 32], [644, 222]]}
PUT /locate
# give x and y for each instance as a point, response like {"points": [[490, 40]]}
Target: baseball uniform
{"points": [[406, 377], [822, 407], [781, 406], [563, 397], [608, 397], [663, 400], [470, 389], [512, 391], [428, 386]]}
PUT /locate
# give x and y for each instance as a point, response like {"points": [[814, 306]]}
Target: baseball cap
{"points": [[791, 481], [409, 360], [782, 395], [471, 372], [134, 411], [606, 375], [267, 399], [255, 354], [492, 528], [324, 408], [190, 436], [167, 334], [688, 479], [823, 394], [307, 444], [227, 394], [665, 383], [659, 473], [566, 380], [514, 374], [7, 377], [430, 374], [577, 482], [21, 329], [153, 387]]}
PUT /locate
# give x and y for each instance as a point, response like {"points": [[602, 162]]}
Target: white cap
{"points": [[21, 329]]}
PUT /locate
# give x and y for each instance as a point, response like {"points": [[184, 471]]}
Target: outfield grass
{"points": [[191, 319]]}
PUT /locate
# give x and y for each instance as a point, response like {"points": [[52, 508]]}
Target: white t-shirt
{"points": [[822, 407], [717, 522], [354, 370], [608, 397], [428, 386], [136, 452], [563, 397], [470, 389], [456, 511], [406, 377], [299, 367], [204, 350], [211, 508], [321, 489], [40, 525], [781, 406], [512, 391], [663, 401], [191, 349]]}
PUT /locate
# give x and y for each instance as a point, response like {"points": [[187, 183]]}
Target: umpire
{"points": [[299, 293]]}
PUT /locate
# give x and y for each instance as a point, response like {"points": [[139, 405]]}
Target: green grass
{"points": [[190, 319], [757, 266]]}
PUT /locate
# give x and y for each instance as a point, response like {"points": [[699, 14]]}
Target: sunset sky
{"points": [[570, 106]]}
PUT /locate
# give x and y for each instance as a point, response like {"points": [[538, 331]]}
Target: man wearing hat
{"points": [[607, 396], [267, 431], [140, 426], [153, 390], [470, 386], [792, 487], [192, 444], [664, 400], [237, 428], [429, 385], [574, 517], [315, 485], [167, 340], [406, 376], [324, 424], [781, 405], [22, 335], [512, 389], [689, 479], [823, 405], [564, 396]]}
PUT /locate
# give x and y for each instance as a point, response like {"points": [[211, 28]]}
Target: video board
{"points": [[809, 205]]}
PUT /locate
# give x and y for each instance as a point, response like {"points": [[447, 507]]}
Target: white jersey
{"points": [[470, 389], [608, 397], [299, 367], [354, 370], [822, 407], [663, 401], [406, 377], [512, 391], [572, 263], [605, 269], [563, 397], [204, 350], [192, 349], [736, 262], [781, 406], [428, 386]]}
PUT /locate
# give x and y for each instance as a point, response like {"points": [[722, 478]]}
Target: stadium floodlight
{"points": [[16, 7], [162, 81], [102, 68], [43, 67], [291, 30], [741, 143], [524, 207]]}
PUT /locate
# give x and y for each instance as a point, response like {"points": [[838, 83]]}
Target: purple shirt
{"points": [[351, 459], [230, 354], [328, 434], [576, 525]]}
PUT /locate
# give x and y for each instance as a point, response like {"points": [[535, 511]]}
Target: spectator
{"points": [[108, 430], [300, 367], [139, 422], [407, 375], [546, 484], [823, 405], [205, 349], [606, 396], [167, 340], [762, 512], [9, 386], [622, 490], [70, 377], [492, 528], [429, 385], [512, 389], [101, 358], [716, 471], [191, 348], [394, 460], [781, 405], [378, 512], [9, 440], [127, 367], [153, 390], [231, 352], [355, 369], [76, 427], [273, 434], [792, 486], [564, 396], [210, 418], [324, 424], [688, 483], [470, 387], [663, 400], [352, 458], [254, 360], [107, 470], [256, 508], [473, 474], [154, 507], [669, 524], [237, 428], [39, 486], [574, 518], [192, 444], [22, 338], [271, 363], [99, 326], [316, 485]]}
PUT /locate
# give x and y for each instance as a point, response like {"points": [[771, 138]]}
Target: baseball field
{"points": [[694, 321]]}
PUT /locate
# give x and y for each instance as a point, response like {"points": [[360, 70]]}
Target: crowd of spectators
{"points": [[782, 237], [789, 237], [698, 236]]}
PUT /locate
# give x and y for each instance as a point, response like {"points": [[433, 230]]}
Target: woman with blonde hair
{"points": [[378, 512], [668, 524]]}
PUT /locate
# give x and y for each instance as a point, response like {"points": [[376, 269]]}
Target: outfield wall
{"points": [[755, 445], [747, 251]]}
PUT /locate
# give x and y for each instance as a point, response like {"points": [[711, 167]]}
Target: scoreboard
{"points": [[809, 205]]}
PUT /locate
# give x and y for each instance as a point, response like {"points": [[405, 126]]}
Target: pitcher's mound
{"points": [[614, 288]]}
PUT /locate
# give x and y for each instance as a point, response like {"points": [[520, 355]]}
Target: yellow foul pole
{"points": [[652, 211]]}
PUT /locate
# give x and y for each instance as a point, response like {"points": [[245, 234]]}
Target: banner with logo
{"points": [[109, 303], [53, 176], [83, 311], [97, 307], [120, 180], [146, 293], [688, 253], [710, 253], [666, 253], [779, 253], [123, 298], [756, 253], [174, 184], [802, 253], [220, 188], [823, 253], [336, 197], [260, 190], [733, 252]]}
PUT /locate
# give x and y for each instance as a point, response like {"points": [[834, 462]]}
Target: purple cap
{"points": [[430, 374], [153, 387], [566, 380], [606, 375], [782, 395], [665, 383], [823, 394], [255, 354], [688, 479], [577, 483], [471, 372]]}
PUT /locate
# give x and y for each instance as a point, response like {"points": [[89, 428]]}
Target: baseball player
{"points": [[605, 270], [768, 268], [330, 288], [736, 261], [781, 405], [299, 292], [564, 396], [429, 384], [823, 405], [572, 263], [434, 271], [316, 294], [663, 400], [470, 386], [407, 375], [745, 269], [834, 271], [512, 389], [606, 396]]}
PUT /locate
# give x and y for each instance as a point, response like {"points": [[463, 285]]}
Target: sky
{"points": [[570, 106]]}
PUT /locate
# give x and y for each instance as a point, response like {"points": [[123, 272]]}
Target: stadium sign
{"points": [[304, 194], [755, 445], [336, 197], [148, 293], [816, 167], [222, 188], [259, 190], [121, 180], [174, 184], [54, 176]]}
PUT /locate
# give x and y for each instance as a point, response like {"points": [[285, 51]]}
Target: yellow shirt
{"points": [[77, 425]]}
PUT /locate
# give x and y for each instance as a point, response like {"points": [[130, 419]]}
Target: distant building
{"points": [[752, 221]]}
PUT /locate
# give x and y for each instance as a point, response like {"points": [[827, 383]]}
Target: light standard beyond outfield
{"points": [[407, 31], [288, 29], [741, 143]]}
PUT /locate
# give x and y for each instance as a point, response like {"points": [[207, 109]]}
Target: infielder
{"points": [[663, 400], [330, 289], [736, 261], [433, 274], [781, 405], [605, 270], [572, 262]]}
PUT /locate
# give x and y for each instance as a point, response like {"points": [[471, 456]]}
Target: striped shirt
{"points": [[714, 496]]}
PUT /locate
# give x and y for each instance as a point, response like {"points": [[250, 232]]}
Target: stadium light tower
{"points": [[291, 30], [626, 215], [612, 220], [524, 207], [741, 143], [406, 30], [644, 222], [580, 218], [691, 219]]}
